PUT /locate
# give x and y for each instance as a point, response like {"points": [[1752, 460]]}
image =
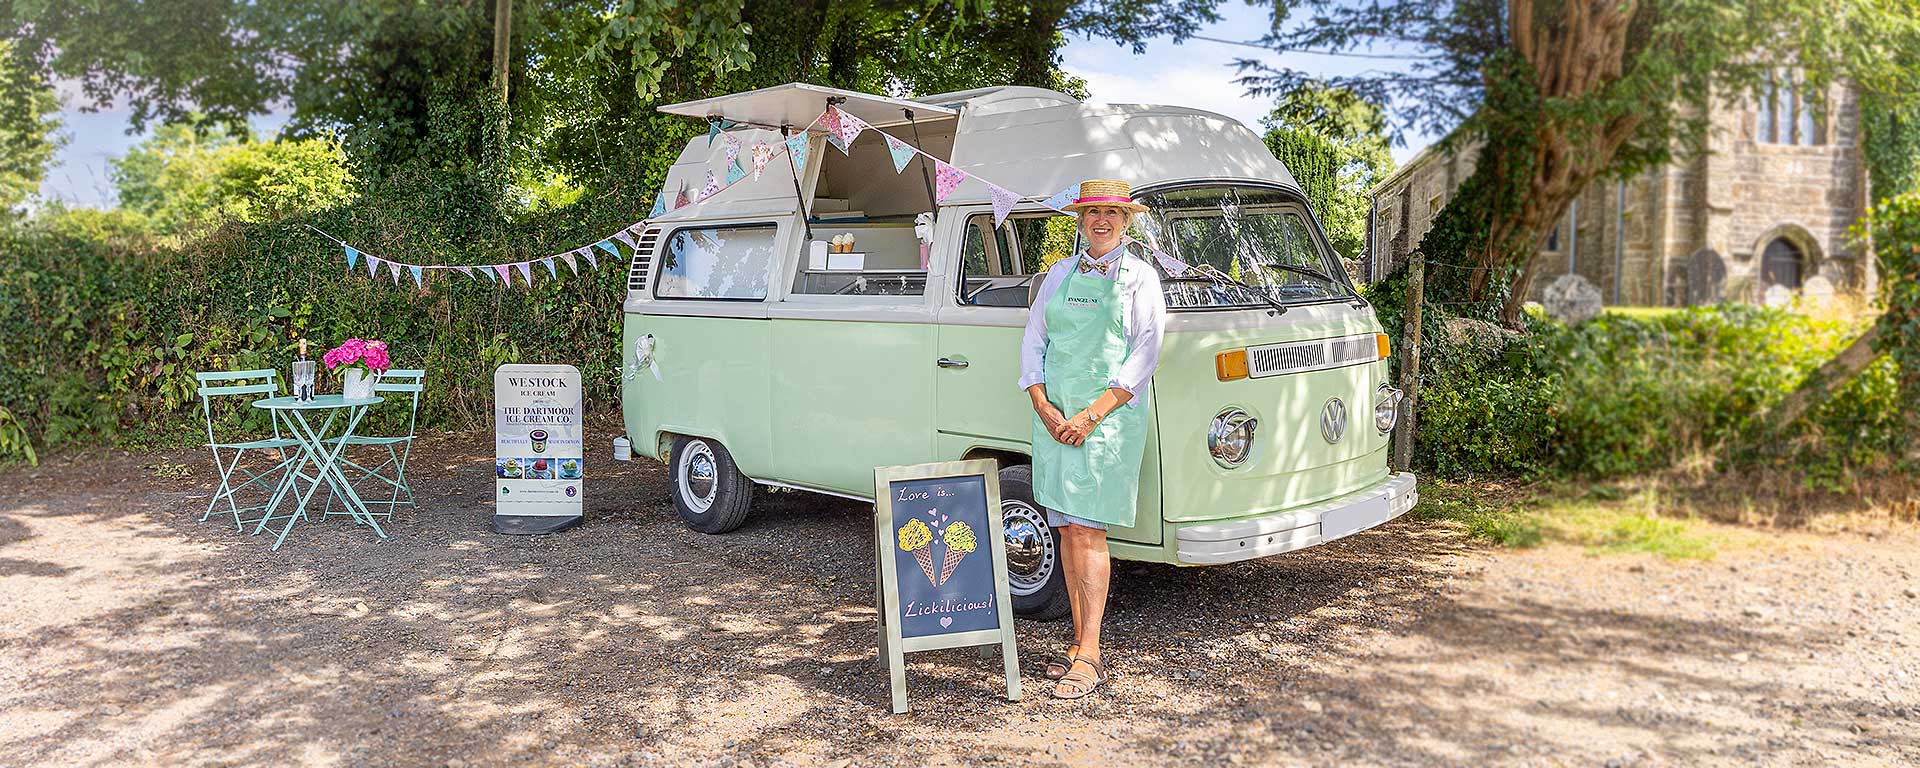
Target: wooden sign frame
{"points": [[894, 647]]}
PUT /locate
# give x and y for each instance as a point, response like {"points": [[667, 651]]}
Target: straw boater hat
{"points": [[1105, 192]]}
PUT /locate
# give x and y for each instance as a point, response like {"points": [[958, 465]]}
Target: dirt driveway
{"points": [[130, 633]]}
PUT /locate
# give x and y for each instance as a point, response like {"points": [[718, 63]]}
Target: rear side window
{"points": [[998, 263], [727, 262]]}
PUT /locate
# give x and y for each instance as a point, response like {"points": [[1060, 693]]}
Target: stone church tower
{"points": [[1769, 204]]}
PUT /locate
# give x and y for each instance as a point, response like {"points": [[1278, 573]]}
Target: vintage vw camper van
{"points": [[762, 349]]}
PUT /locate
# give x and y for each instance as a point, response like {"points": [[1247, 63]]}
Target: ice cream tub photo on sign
{"points": [[942, 563]]}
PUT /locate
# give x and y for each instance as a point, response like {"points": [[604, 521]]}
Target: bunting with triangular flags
{"points": [[797, 151], [551, 270], [945, 178], [468, 271], [713, 129], [373, 266], [733, 147], [593, 263], [762, 152], [902, 152], [623, 237], [735, 172], [848, 130], [394, 271], [605, 246], [353, 257], [506, 278], [524, 274], [1003, 201], [418, 281], [659, 207], [1061, 199], [571, 265], [710, 187]]}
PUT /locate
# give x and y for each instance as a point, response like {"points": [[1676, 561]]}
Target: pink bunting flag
{"points": [[1003, 201], [830, 122], [468, 271], [762, 154], [848, 130], [708, 189], [524, 274], [551, 270], [571, 265], [945, 178], [733, 147], [680, 198], [505, 276]]}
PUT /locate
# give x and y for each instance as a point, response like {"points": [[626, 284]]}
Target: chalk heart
{"points": [[946, 621]]}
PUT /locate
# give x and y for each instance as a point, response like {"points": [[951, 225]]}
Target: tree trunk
{"points": [[1820, 385]]}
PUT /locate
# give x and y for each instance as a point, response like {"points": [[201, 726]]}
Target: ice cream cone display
{"points": [[960, 542], [914, 537]]}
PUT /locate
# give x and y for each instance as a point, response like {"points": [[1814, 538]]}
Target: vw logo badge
{"points": [[1333, 420]]}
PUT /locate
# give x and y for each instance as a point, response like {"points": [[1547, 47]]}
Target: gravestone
{"points": [[1572, 299], [1817, 291], [1777, 297], [1706, 277]]}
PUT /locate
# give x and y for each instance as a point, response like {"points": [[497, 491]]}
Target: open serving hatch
{"points": [[797, 104]]}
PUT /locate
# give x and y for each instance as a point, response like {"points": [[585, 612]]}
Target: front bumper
{"points": [[1235, 540]]}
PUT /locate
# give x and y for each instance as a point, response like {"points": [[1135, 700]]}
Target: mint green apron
{"points": [[1086, 343]]}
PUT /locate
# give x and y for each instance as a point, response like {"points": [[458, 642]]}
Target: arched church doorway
{"points": [[1783, 263]]}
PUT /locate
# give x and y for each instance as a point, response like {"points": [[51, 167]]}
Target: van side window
{"points": [[997, 263], [727, 262], [862, 259]]}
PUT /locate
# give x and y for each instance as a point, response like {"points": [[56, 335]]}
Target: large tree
{"points": [[29, 128], [1559, 94]]}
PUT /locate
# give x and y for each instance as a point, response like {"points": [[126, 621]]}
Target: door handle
{"points": [[948, 362]]}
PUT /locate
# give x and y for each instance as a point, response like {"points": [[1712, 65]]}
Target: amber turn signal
{"points": [[1386, 348], [1230, 365]]}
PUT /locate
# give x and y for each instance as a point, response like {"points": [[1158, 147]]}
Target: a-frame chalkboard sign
{"points": [[942, 558]]}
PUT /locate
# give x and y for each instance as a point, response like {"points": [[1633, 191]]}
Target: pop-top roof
{"points": [[797, 104]]}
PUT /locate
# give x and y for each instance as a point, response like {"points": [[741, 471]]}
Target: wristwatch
{"points": [[1093, 416]]}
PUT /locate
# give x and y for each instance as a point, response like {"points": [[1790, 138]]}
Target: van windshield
{"points": [[1259, 236]]}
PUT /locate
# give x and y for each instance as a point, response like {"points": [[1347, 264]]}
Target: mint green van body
{"points": [[752, 358]]}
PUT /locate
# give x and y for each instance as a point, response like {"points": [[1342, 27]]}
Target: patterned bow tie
{"points": [[1092, 267]]}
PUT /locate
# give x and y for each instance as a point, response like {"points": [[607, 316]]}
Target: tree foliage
{"points": [[29, 128], [1564, 92], [1336, 145], [186, 181]]}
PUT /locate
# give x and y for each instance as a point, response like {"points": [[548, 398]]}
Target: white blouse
{"points": [[1144, 317]]}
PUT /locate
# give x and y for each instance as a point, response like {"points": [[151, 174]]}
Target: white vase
{"points": [[357, 384]]}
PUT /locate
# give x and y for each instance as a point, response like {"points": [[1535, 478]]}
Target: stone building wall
{"points": [[1692, 232]]}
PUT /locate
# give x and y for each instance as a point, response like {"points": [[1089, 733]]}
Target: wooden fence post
{"points": [[1410, 362]]}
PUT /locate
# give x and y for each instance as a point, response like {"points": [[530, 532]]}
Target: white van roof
{"points": [[1033, 141]]}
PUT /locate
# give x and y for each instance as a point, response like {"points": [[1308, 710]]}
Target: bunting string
{"points": [[839, 128]]}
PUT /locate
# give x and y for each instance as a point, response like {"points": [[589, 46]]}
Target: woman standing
{"points": [[1091, 345]]}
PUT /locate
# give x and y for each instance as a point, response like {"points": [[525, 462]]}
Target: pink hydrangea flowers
{"points": [[370, 353]]}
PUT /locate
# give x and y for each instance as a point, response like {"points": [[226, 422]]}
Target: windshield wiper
{"points": [[1306, 271], [1209, 273]]}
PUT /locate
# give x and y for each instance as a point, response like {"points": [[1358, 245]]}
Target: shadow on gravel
{"points": [[633, 639]]}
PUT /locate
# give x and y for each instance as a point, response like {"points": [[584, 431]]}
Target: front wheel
{"points": [[709, 492], [1034, 577]]}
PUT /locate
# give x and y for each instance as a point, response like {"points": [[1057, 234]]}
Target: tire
{"points": [[1035, 580], [708, 490]]}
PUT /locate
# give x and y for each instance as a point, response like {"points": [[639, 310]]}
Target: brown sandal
{"points": [[1062, 662], [1083, 683]]}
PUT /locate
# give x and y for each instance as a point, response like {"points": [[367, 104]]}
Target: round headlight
{"points": [[1230, 438], [1386, 408]]}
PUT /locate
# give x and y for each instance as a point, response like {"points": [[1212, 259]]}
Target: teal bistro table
{"points": [[321, 452]]}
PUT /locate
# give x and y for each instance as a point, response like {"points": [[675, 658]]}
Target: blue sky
{"points": [[1196, 73]]}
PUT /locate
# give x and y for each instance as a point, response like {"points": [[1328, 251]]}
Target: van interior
{"points": [[859, 199]]}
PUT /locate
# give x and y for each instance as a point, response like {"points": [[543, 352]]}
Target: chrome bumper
{"points": [[1214, 543]]}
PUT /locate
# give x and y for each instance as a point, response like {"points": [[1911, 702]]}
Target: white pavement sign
{"points": [[539, 463]]}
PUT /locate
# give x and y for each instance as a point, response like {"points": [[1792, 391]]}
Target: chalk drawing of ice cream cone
{"points": [[914, 537], [960, 541]]}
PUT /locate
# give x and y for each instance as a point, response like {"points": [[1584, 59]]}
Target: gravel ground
{"points": [[130, 633]]}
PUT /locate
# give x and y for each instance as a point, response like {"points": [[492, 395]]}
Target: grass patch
{"points": [[1605, 519], [1642, 313]]}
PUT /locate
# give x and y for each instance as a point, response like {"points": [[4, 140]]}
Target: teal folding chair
{"points": [[218, 384], [406, 381]]}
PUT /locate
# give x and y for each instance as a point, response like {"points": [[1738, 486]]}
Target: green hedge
{"points": [[1620, 395], [101, 329]]}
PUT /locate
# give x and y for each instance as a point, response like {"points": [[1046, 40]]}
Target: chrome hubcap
{"points": [[1031, 556], [697, 476]]}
